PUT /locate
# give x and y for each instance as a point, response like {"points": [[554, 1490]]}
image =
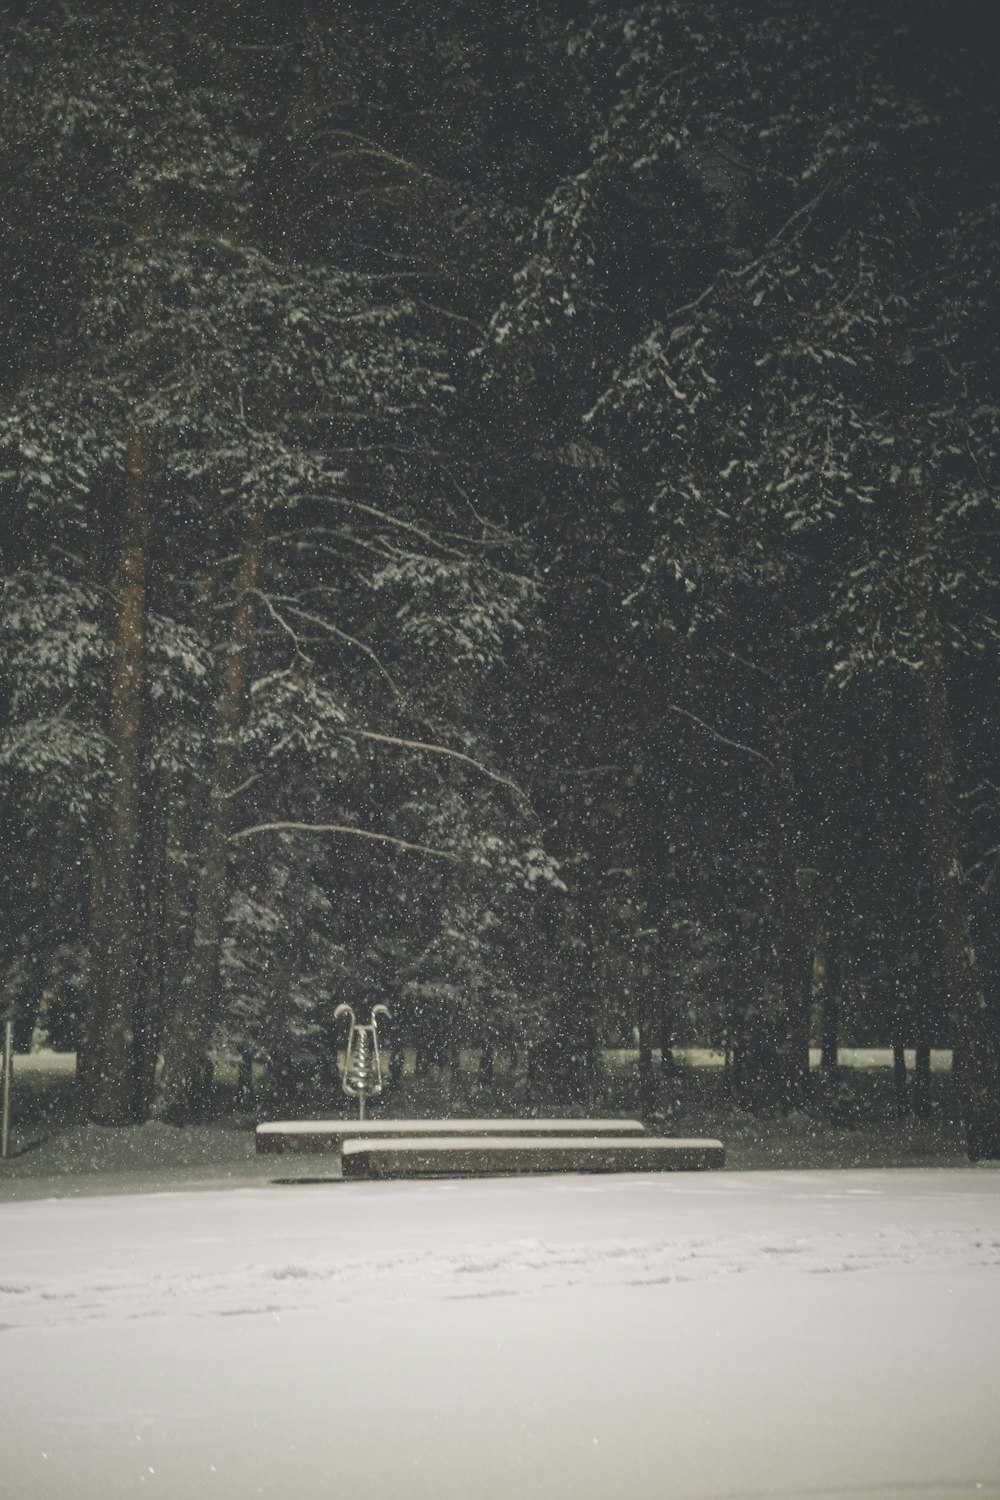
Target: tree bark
{"points": [[189, 1029], [106, 1065]]}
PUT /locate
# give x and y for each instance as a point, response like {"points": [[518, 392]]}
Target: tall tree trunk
{"points": [[168, 841], [157, 939], [977, 1065], [792, 937], [976, 1061], [107, 1069], [648, 1081], [922, 1081], [651, 1020], [180, 844], [892, 935], [668, 1066], [189, 1029], [827, 988], [899, 1081], [278, 1093]]}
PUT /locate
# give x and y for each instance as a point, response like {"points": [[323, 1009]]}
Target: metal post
{"points": [[361, 1104], [6, 1087]]}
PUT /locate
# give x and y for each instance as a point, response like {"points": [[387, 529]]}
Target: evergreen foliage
{"points": [[500, 519]]}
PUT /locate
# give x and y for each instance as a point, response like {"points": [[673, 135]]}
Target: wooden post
{"points": [[6, 1087]]}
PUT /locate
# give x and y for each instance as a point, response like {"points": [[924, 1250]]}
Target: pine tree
{"points": [[747, 404], [308, 583]]}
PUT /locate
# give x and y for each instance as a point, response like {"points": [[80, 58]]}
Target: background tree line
{"points": [[499, 517]]}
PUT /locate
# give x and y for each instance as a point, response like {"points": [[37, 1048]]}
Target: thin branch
{"points": [[381, 515], [220, 242], [386, 254], [992, 858], [723, 739], [499, 538], [742, 660], [321, 549], [360, 278], [390, 739], [75, 557], [742, 272], [486, 524], [349, 640], [366, 147], [360, 833], [750, 169], [409, 449], [280, 620], [384, 413], [237, 791], [90, 218], [453, 317]]}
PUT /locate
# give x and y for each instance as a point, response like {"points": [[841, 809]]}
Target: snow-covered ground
{"points": [[670, 1337]]}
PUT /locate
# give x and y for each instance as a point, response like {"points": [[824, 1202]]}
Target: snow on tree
{"points": [[237, 470], [791, 395]]}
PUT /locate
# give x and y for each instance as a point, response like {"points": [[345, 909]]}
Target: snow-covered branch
{"points": [[429, 749], [328, 629], [283, 826]]}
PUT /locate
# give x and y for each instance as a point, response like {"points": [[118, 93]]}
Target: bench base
{"points": [[458, 1156]]}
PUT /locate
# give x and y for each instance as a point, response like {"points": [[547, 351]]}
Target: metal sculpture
{"points": [[362, 1073]]}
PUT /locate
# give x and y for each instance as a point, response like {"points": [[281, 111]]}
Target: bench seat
{"points": [[330, 1135], [469, 1156]]}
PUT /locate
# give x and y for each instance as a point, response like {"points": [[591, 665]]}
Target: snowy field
{"points": [[668, 1337]]}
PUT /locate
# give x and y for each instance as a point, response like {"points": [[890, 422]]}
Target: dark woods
{"points": [[499, 518]]}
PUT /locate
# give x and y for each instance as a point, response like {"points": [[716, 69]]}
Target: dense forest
{"points": [[499, 518]]}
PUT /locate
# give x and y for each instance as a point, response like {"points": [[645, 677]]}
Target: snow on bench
{"points": [[330, 1135], [468, 1156]]}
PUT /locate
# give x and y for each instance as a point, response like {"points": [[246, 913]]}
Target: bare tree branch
{"points": [[741, 660], [401, 525], [390, 739], [329, 629], [367, 147], [237, 791], [742, 272], [452, 317], [283, 623], [723, 739], [486, 524], [359, 833], [288, 539]]}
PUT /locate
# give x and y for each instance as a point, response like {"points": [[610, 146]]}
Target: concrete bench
{"points": [[468, 1156], [330, 1135]]}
